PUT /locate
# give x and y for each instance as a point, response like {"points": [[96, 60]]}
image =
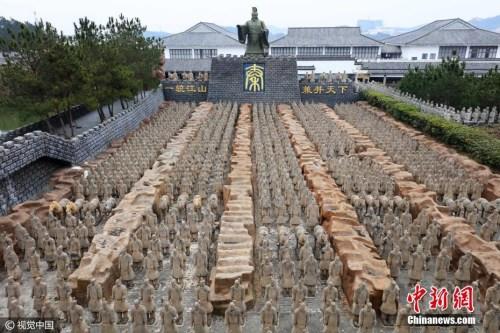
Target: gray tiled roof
{"points": [[401, 67], [326, 36], [179, 65], [202, 35], [452, 32]]}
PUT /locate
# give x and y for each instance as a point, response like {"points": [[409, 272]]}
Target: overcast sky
{"points": [[177, 15]]}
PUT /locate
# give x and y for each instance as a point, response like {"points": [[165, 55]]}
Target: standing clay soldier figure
{"points": [[38, 293], [119, 296], [199, 321], [201, 265], [331, 318], [269, 318], [299, 294], [12, 290], [463, 273], [287, 275], [147, 296], [329, 294], [233, 319], [401, 325], [62, 263], [139, 318], [168, 317], [151, 266], [389, 307], [442, 267], [203, 298], [335, 272], [137, 255], [74, 250], [34, 264], [491, 321], [361, 297], [311, 275], [367, 319], [94, 297], [300, 319], [108, 319], [174, 295], [492, 297], [405, 246], [15, 310], [50, 253], [416, 266], [238, 295], [77, 319], [178, 265], [266, 273], [125, 266], [327, 256], [163, 234], [63, 295], [394, 261]]}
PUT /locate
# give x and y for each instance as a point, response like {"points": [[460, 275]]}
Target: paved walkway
{"points": [[92, 119]]}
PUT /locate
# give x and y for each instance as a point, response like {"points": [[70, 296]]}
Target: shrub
{"points": [[475, 142]]}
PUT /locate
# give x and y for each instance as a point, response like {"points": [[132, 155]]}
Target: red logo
{"points": [[463, 298], [439, 298], [415, 297]]}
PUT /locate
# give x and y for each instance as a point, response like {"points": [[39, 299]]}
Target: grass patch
{"points": [[11, 118]]}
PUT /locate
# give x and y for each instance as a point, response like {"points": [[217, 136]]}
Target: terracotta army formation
{"points": [[163, 278]]}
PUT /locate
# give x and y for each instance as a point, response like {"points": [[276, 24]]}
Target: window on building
{"points": [[483, 52], [338, 51], [433, 55], [452, 52], [180, 53], [414, 58], [205, 53], [365, 52], [283, 51], [424, 56], [310, 51]]}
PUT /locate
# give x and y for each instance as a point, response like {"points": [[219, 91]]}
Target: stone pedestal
{"points": [[228, 80]]}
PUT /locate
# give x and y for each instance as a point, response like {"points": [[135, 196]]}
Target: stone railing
{"points": [[465, 116], [24, 152]]}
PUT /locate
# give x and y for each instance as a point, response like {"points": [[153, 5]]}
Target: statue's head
{"points": [[255, 14]]}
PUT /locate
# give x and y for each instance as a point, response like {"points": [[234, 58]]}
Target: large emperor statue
{"points": [[254, 33]]}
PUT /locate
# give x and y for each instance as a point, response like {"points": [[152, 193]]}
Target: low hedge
{"points": [[475, 142]]}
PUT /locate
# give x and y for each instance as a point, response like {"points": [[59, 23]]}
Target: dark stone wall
{"points": [[27, 183], [185, 91], [280, 80], [328, 93], [28, 154]]}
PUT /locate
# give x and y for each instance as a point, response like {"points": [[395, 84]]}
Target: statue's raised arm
{"points": [[255, 34]]}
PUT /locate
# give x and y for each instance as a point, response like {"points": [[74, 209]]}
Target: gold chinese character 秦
{"points": [[254, 78]]}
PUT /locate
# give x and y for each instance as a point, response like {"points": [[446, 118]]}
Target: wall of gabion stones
{"points": [[21, 155], [280, 80], [27, 183]]}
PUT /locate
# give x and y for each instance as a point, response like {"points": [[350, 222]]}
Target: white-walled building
{"points": [[345, 49], [326, 49], [193, 49], [445, 38]]}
